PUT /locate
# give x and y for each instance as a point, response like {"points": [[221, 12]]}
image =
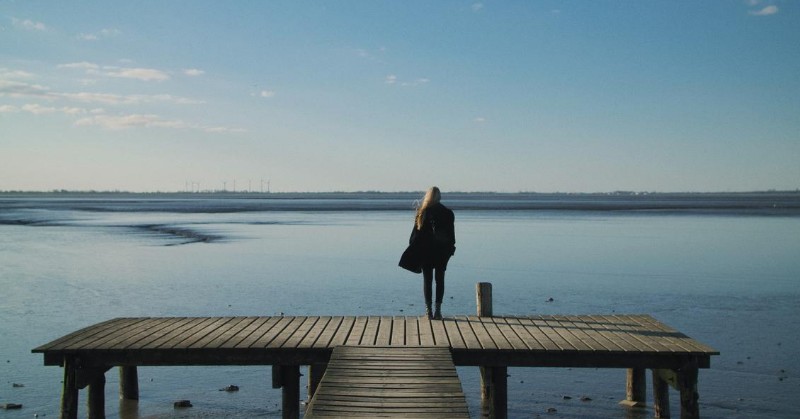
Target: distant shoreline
{"points": [[365, 194]]}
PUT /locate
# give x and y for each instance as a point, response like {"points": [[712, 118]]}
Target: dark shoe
{"points": [[428, 313], [438, 314]]}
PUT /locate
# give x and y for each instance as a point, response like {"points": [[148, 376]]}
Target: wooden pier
{"points": [[494, 343]]}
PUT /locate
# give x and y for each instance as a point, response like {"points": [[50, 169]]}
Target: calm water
{"points": [[725, 276]]}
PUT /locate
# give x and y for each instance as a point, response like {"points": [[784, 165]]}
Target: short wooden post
{"points": [[494, 381], [660, 396], [96, 402], [69, 394], [687, 385], [636, 388], [287, 377], [315, 373], [129, 383]]}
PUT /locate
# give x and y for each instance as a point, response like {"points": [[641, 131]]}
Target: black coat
{"points": [[434, 243]]}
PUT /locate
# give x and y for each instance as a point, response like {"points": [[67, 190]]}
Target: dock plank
{"points": [[400, 382]]}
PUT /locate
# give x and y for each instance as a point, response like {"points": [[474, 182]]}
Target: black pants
{"points": [[428, 274]]}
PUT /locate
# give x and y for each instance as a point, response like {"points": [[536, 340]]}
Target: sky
{"points": [[507, 96]]}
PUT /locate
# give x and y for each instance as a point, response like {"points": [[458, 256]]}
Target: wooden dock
{"points": [[389, 381], [634, 342]]}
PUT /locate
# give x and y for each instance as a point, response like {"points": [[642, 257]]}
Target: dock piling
{"points": [[494, 379]]}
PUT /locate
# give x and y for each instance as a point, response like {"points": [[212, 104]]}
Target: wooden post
{"points": [[290, 393], [129, 383], [660, 396], [315, 373], [96, 402], [636, 388], [69, 394], [494, 381], [687, 385]]}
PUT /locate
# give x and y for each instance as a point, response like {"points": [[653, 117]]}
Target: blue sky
{"points": [[570, 96]]}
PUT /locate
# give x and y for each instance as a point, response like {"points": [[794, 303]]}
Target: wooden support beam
{"points": [[660, 396], [635, 388], [96, 402], [290, 393], [687, 385], [69, 393], [128, 383]]}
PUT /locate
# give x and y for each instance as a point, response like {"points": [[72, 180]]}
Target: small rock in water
{"points": [[11, 406], [181, 404], [567, 397], [586, 399], [17, 385], [230, 388], [550, 300], [552, 410]]}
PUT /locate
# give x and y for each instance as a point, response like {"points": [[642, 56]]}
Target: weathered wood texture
{"points": [[620, 341], [389, 381]]}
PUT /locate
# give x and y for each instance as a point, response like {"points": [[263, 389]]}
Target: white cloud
{"points": [[193, 72], [87, 37], [480, 119], [143, 74], [104, 33], [391, 79], [83, 65], [28, 24], [131, 121], [8, 109], [766, 11], [416, 82], [14, 74], [38, 109], [477, 7], [267, 93]]}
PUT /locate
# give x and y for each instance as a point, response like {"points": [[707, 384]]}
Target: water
{"points": [[725, 274]]}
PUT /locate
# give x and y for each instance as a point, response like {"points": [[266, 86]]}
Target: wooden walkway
{"points": [[392, 381], [635, 342]]}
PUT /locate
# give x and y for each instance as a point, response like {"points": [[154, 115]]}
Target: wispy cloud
{"points": [[766, 11], [131, 121], [480, 119], [394, 80], [103, 33], [21, 89], [477, 7], [8, 109], [390, 79], [193, 72], [143, 74], [28, 24], [38, 109]]}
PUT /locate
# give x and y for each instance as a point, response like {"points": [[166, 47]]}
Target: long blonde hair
{"points": [[432, 196]]}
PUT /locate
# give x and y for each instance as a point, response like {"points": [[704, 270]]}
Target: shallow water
{"points": [[730, 280]]}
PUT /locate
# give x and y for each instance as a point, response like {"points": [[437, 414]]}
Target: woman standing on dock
{"points": [[433, 242]]}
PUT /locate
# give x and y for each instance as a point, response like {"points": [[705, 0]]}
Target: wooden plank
{"points": [[293, 333], [370, 331], [685, 341], [413, 337], [566, 334], [581, 332], [627, 330], [389, 382], [508, 333], [266, 333], [235, 327], [488, 333], [398, 337], [526, 336], [383, 336], [452, 332], [328, 333], [125, 337], [293, 338], [65, 340], [357, 331], [612, 334], [89, 336], [343, 332], [250, 333], [315, 333], [200, 335], [539, 327]]}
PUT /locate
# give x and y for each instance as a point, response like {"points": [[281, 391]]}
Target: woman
{"points": [[433, 239]]}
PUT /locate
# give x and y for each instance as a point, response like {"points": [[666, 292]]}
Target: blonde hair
{"points": [[432, 196]]}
